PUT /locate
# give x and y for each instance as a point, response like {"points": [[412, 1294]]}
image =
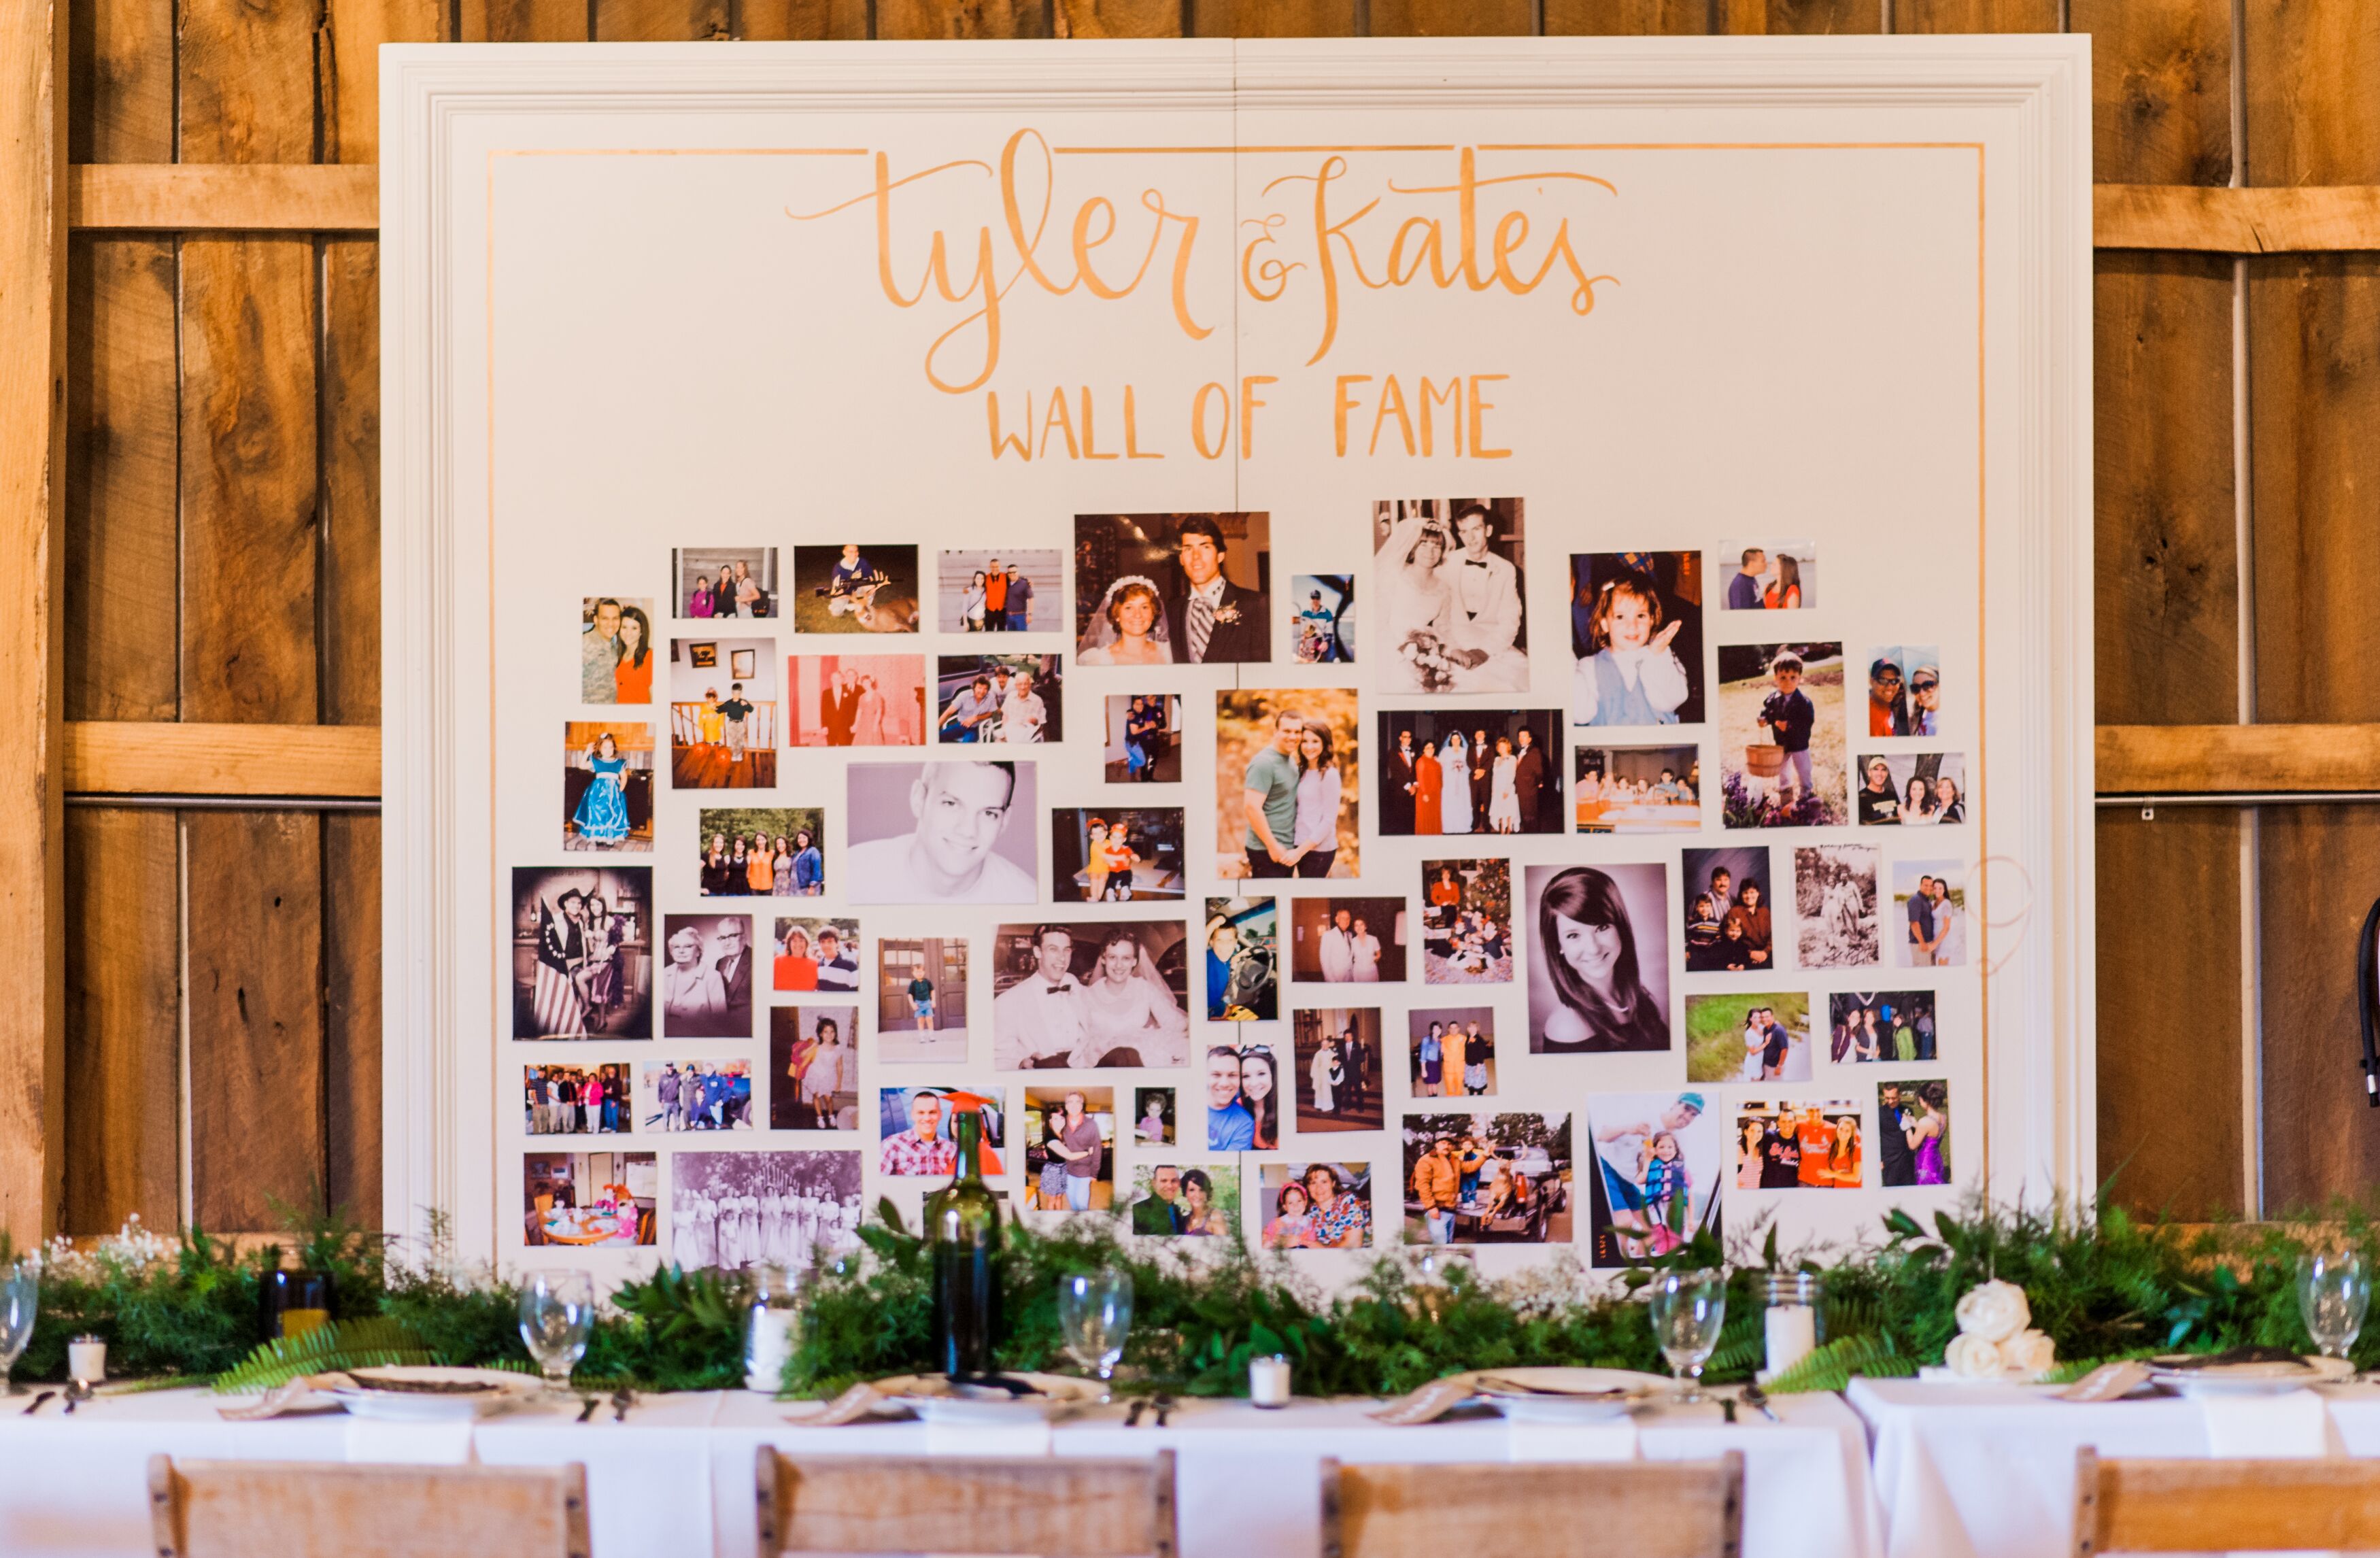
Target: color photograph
{"points": [[1834, 898], [1322, 618], [706, 977], [607, 787], [1776, 576], [715, 582], [694, 1095], [1347, 941], [1467, 922], [1316, 1206], [582, 952], [583, 1199], [1186, 1201], [852, 589], [1452, 1050], [814, 1068], [1913, 1141], [916, 1137], [575, 1100], [1014, 590], [1637, 789], [1758, 1037], [1636, 639], [1488, 1179], [762, 851], [816, 955], [1069, 1149], [1473, 770], [1339, 1058], [722, 713], [1780, 736], [1599, 958], [1870, 1025], [615, 649], [1288, 783], [1929, 904], [1144, 738], [1904, 690], [1453, 608], [1242, 960], [1172, 588], [999, 700], [1912, 790], [856, 700], [1659, 1162], [921, 1000], [955, 831], [738, 1212], [1153, 1116], [1243, 1098], [1730, 928], [1116, 855], [1090, 996], [1797, 1145]]}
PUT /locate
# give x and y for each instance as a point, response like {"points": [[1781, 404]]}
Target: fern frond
{"points": [[371, 1342], [1832, 1367]]}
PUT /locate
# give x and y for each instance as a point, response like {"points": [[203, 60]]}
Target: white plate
{"points": [[486, 1391], [1569, 1396], [1557, 1410], [2254, 1379], [989, 1406]]}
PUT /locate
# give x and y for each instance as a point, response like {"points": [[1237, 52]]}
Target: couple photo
{"points": [[1904, 691], [736, 1211], [1762, 1038], [1287, 781], [1013, 591], [1339, 1083], [1197, 1201], [1486, 1179], [1069, 1149], [707, 982], [615, 650], [1474, 771], [1452, 608], [1090, 995], [715, 582], [1636, 641], [849, 588], [582, 952], [1912, 1124], [814, 1068], [1467, 922], [1932, 898], [1659, 1162], [1243, 1099], [817, 954], [1347, 941], [856, 699], [1776, 575], [1172, 589]]}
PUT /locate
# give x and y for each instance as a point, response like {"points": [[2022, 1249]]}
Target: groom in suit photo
{"points": [[1484, 592], [1209, 619]]}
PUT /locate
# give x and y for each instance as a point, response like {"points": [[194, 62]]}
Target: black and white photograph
{"points": [[1471, 771], [1636, 639], [1011, 589], [582, 952], [958, 831], [1347, 941], [1451, 580], [1467, 922], [615, 649], [1728, 921], [575, 1100], [607, 787], [585, 1200], [1661, 1161], [1452, 1050], [723, 714], [1322, 618], [715, 582], [1929, 911], [854, 588], [737, 1211], [1782, 759], [706, 977], [763, 851], [1599, 958], [1835, 899], [711, 1093], [1172, 588], [1243, 969], [816, 957], [1912, 790], [921, 1000], [1339, 1063], [1090, 995], [1116, 854], [814, 1068], [1870, 1026], [1486, 1179], [1769, 575], [999, 700], [1144, 738], [1637, 789]]}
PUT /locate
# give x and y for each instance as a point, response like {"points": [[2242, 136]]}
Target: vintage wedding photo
{"points": [[1637, 789], [587, 1198], [1288, 783], [955, 830], [1005, 700], [1776, 575], [1316, 1206], [1797, 1145], [1912, 790], [607, 787], [1758, 1037], [816, 954], [814, 1068], [1144, 738], [1186, 1200], [1780, 736], [1913, 1133], [1172, 588], [1929, 901], [1090, 995], [1453, 1051], [1014, 590], [1882, 1025], [741, 1211], [1488, 1179], [1114, 854], [1660, 1159], [1636, 639], [1904, 690], [916, 1137], [1070, 1144], [1242, 960], [1347, 941], [769, 851], [1339, 1083], [854, 588], [722, 713], [921, 1000], [1467, 922], [1599, 958], [575, 1100], [694, 1095], [713, 581], [1453, 596], [855, 700], [1728, 913], [1322, 618], [615, 649], [1470, 771], [707, 978], [582, 952], [1834, 898]]}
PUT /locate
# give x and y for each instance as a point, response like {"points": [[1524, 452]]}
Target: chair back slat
{"points": [[1058, 1507], [290, 1509], [2225, 1506], [1628, 1509]]}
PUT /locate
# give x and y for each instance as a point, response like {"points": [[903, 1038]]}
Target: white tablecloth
{"points": [[676, 1480], [1987, 1471]]}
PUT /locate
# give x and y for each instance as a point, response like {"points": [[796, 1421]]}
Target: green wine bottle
{"points": [[963, 1225]]}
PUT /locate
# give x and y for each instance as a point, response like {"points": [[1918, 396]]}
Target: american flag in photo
{"points": [[558, 1007]]}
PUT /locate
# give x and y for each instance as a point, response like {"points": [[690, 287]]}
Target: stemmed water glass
{"points": [[20, 1290], [1095, 1313], [2333, 1292], [1688, 1309], [557, 1310]]}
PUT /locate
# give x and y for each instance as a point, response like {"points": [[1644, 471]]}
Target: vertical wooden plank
{"points": [[1116, 18], [122, 914], [2168, 963], [2160, 90], [1450, 19], [1974, 16], [1624, 17], [2312, 117], [801, 20], [663, 21], [351, 1069], [2321, 1140], [524, 21], [121, 108], [1783, 18], [1270, 18], [963, 18], [351, 582], [353, 31]]}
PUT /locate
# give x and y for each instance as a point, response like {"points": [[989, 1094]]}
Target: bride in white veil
{"points": [[1128, 628], [1414, 602], [1126, 1005]]}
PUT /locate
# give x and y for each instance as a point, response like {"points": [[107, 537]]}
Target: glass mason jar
{"points": [[771, 1325], [1789, 1320]]}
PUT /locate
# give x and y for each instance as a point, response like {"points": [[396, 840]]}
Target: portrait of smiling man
{"points": [[968, 835]]}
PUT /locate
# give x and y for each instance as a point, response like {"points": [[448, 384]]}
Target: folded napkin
{"points": [[2109, 1381], [2292, 1424], [301, 1394], [859, 1401], [1613, 1441], [386, 1444], [1433, 1401]]}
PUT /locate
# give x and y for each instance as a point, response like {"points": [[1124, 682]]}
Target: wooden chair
{"points": [[296, 1509], [1058, 1507], [1623, 1509], [2220, 1506]]}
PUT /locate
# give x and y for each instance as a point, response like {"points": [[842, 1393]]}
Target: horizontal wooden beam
{"points": [[2224, 221], [2200, 759], [109, 757], [190, 196]]}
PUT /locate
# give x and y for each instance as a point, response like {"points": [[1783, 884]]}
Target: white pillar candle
{"points": [[87, 1360], [768, 1343], [1793, 1333], [1269, 1381]]}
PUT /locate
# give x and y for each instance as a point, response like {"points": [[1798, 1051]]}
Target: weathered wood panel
{"points": [[353, 31], [801, 19], [2160, 90], [120, 106], [2320, 866], [524, 21], [1974, 16], [1452, 18], [351, 1008], [224, 196], [1271, 19], [1779, 18], [1609, 17], [123, 1074], [2224, 220], [660, 21], [1118, 19], [963, 18], [350, 518]]}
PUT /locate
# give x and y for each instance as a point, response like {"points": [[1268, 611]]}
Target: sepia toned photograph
{"points": [[706, 978], [1452, 607], [582, 952], [1172, 589], [955, 831], [854, 700], [738, 1212], [1094, 995], [1835, 899]]}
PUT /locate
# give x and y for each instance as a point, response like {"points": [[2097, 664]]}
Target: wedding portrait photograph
{"points": [[1660, 1159], [955, 831], [1486, 1179], [1172, 588], [1315, 1206], [1244, 1098], [1467, 922], [1727, 924], [1451, 617], [816, 955], [1913, 1133], [1929, 910], [1637, 789], [1347, 941], [1243, 939], [615, 648], [706, 977], [1186, 1201], [1636, 639], [1797, 1145], [1782, 760], [856, 700], [813, 1068], [854, 588], [1339, 1087], [739, 1211], [762, 851], [1471, 771], [1069, 1149], [921, 1000], [1451, 1052], [1882, 1025], [1758, 1037], [714, 1094], [917, 1137], [1834, 898], [722, 713], [607, 787], [1090, 995], [1115, 855], [582, 952], [1144, 738], [1912, 790], [1904, 690], [585, 1200], [1322, 618], [1599, 958], [1153, 1116], [1014, 590], [999, 700], [714, 581], [1779, 575], [577, 1100], [1288, 783]]}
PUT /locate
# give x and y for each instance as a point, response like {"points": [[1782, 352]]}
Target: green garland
{"points": [[2102, 1286]]}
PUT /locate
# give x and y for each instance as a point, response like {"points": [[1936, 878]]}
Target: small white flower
{"points": [[1995, 1312], [1972, 1357], [2028, 1354]]}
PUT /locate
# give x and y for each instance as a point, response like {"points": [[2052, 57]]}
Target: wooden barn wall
{"points": [[222, 551]]}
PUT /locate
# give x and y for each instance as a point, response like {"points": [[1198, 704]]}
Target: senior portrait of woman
{"points": [[1599, 960]]}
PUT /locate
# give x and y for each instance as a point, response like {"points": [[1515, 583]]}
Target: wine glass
{"points": [[2333, 1292], [1095, 1312], [20, 1291], [557, 1311], [1688, 1308]]}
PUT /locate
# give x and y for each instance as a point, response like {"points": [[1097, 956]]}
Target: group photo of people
{"points": [[1144, 738], [1930, 900], [694, 1095], [1186, 1200], [707, 978], [1834, 898], [1912, 1124], [1763, 1037], [724, 581], [1775, 576], [582, 952], [1599, 958], [1660, 1159], [607, 787], [1322, 626], [1243, 1099], [1288, 784], [1347, 941], [1636, 639], [1451, 1052], [957, 831], [1470, 771], [999, 700], [771, 852], [1882, 1025], [1637, 789], [918, 1132], [1090, 996], [1116, 855], [615, 649], [1728, 924], [816, 954], [1069, 1149], [722, 713], [576, 1100], [1242, 960], [1467, 922], [813, 1068], [921, 1000], [1172, 588], [1339, 1083], [1486, 1179], [1016, 589], [584, 1200], [1912, 790], [1451, 578], [742, 1211], [1904, 690], [1781, 742], [1316, 1206], [852, 589], [856, 700], [1798, 1145]]}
